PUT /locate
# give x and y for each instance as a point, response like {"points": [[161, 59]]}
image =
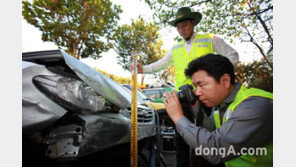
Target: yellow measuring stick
{"points": [[134, 114]]}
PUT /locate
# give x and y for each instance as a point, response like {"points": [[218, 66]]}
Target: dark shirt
{"points": [[250, 125]]}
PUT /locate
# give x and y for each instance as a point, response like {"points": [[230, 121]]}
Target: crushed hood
{"points": [[105, 86]]}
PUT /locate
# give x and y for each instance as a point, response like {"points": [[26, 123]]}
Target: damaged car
{"points": [[73, 115]]}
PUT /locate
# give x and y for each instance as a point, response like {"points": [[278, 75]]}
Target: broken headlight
{"points": [[70, 93]]}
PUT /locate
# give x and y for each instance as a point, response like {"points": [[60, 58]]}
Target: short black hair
{"points": [[214, 64], [183, 20]]}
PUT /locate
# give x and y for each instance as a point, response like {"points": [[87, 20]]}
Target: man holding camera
{"points": [[243, 117], [192, 46]]}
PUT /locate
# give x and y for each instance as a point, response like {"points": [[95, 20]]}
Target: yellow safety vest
{"points": [[246, 160], [202, 45]]}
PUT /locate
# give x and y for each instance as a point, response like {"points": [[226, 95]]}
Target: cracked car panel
{"points": [[99, 82], [103, 131], [37, 111], [54, 108]]}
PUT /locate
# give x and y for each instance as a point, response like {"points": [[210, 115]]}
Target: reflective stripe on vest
{"points": [[246, 160], [202, 45]]}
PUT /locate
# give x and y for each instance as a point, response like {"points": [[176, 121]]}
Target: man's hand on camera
{"points": [[173, 106]]}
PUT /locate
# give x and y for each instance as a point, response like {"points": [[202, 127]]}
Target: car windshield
{"points": [[140, 94], [152, 93], [157, 94]]}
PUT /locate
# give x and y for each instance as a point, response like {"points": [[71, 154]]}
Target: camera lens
{"points": [[186, 95], [182, 96]]}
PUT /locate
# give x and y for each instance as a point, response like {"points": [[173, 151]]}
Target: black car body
{"points": [[73, 115]]}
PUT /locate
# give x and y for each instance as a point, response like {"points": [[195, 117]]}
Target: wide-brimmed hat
{"points": [[186, 13]]}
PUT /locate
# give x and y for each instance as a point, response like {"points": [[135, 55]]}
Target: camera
{"points": [[186, 95]]}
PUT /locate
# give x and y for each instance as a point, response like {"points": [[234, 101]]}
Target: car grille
{"points": [[145, 116]]}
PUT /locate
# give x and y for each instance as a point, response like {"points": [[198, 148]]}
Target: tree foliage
{"points": [[121, 80], [167, 75], [256, 74], [82, 27], [247, 20], [141, 37]]}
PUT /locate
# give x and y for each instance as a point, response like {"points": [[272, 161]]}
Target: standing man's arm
{"points": [[222, 48], [161, 64]]}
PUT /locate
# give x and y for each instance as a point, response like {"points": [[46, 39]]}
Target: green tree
{"points": [[121, 80], [141, 37], [256, 74], [82, 28], [167, 75], [247, 20]]}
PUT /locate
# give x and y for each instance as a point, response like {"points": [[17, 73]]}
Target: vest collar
{"points": [[229, 99], [190, 41]]}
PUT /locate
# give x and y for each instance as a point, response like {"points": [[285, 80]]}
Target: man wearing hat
{"points": [[192, 46]]}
